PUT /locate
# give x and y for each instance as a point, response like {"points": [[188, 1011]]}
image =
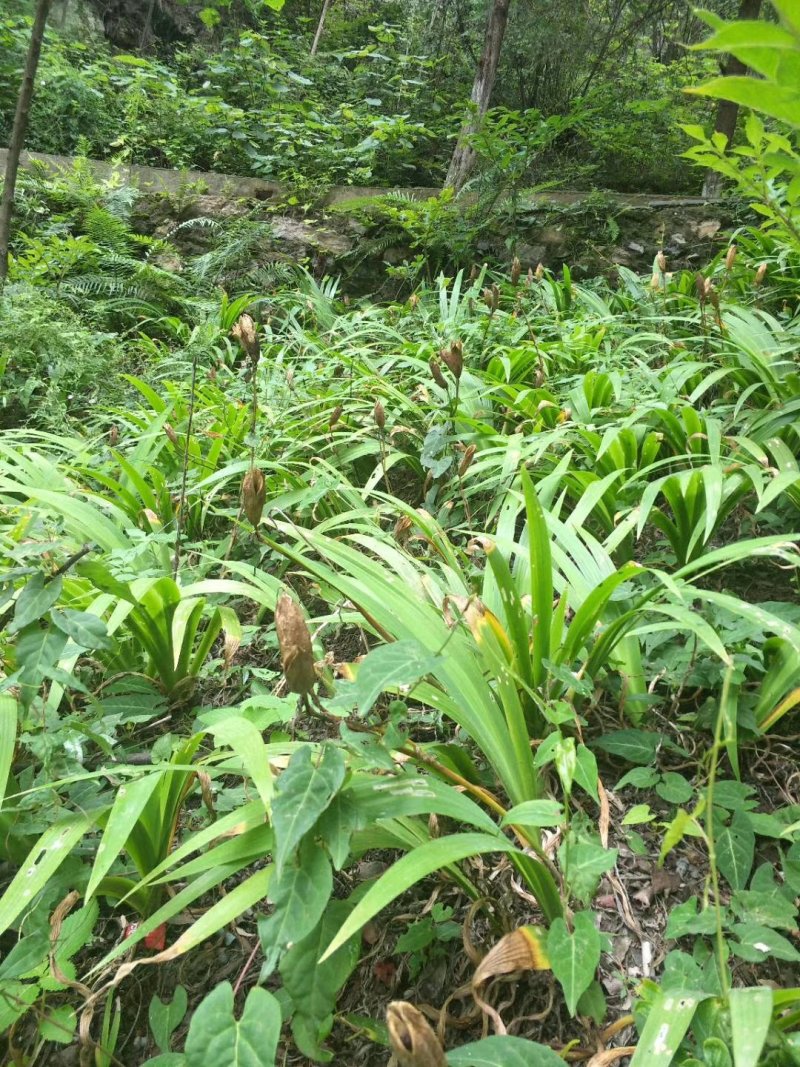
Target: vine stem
{"points": [[176, 559], [724, 977]]}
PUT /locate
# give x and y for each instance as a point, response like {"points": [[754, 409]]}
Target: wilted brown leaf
{"points": [[294, 640], [412, 1038]]}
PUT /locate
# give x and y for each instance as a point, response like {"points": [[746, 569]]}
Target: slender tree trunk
{"points": [[727, 110], [320, 25], [18, 132], [464, 156]]}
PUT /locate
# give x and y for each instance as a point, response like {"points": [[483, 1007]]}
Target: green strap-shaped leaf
{"points": [[504, 1051], [665, 1028], [248, 744], [8, 736], [408, 870], [39, 865], [128, 806], [751, 1015]]}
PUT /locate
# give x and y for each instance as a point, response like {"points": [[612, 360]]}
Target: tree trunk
{"points": [[18, 132], [320, 24], [727, 110], [464, 156]]}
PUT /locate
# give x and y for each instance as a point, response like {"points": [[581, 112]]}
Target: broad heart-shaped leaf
{"points": [[337, 825], [302, 793], [667, 1022], [300, 893], [504, 1051], [313, 986], [215, 1037], [751, 1015], [574, 956], [385, 667], [85, 629], [534, 813], [584, 862], [165, 1018], [735, 847], [35, 599], [635, 746]]}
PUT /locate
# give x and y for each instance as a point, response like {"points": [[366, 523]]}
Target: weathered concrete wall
{"points": [[163, 180]]}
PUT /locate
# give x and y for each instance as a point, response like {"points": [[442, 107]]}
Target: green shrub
{"points": [[51, 365]]}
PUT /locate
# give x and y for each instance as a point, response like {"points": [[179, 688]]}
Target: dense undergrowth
{"points": [[442, 651], [378, 105]]}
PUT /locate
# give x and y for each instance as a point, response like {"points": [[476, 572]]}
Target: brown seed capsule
{"points": [[495, 297], [529, 278], [168, 430], [412, 1038], [713, 296], [539, 273], [488, 298], [290, 377], [204, 781], [113, 435], [379, 415], [730, 258], [761, 274], [294, 641], [336, 414], [655, 281], [245, 333], [661, 262], [700, 287], [466, 460], [402, 529], [436, 373], [254, 495], [413, 301], [453, 358], [473, 274], [516, 270]]}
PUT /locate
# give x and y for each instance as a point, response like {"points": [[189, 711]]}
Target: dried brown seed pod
{"points": [[516, 270], [113, 435], [453, 357], [466, 460], [474, 272], [539, 273], [173, 437], [413, 300], [661, 262], [529, 278], [254, 495], [730, 258], [379, 415], [700, 287], [294, 641], [761, 274], [487, 298], [436, 373], [336, 414], [204, 781], [412, 1038], [245, 333]]}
